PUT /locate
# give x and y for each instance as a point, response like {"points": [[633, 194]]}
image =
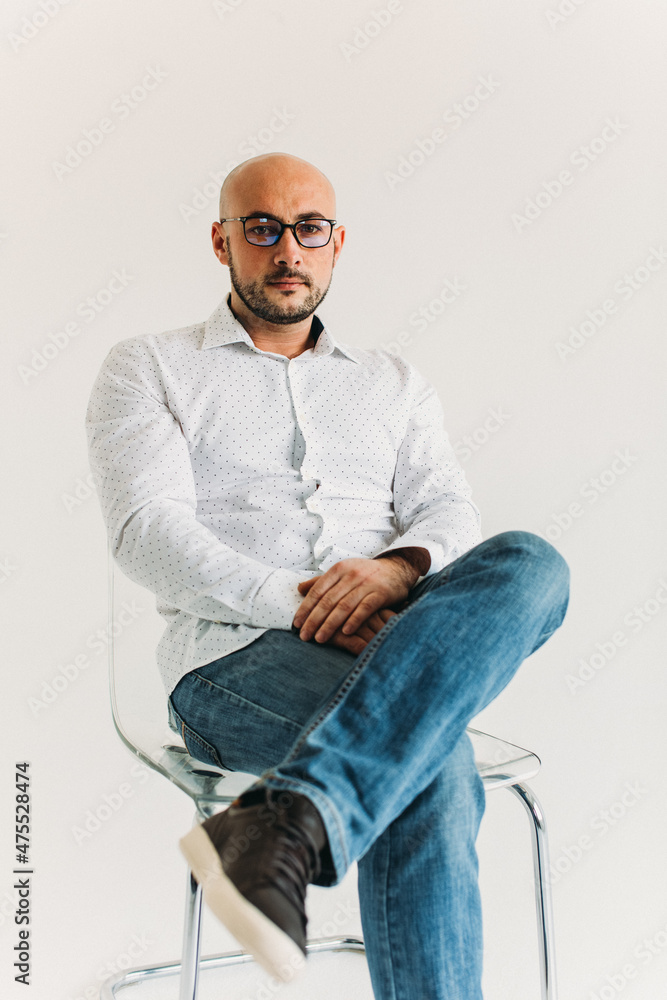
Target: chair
{"points": [[140, 718]]}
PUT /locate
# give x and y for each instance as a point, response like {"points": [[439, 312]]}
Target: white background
{"points": [[359, 98]]}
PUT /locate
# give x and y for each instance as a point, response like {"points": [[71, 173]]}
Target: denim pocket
{"points": [[197, 747]]}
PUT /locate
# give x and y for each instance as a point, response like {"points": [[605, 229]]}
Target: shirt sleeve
{"points": [[141, 464], [432, 498]]}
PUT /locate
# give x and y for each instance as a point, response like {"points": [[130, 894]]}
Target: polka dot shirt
{"points": [[227, 474]]}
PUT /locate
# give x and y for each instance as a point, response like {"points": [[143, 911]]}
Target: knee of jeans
{"points": [[547, 565]]}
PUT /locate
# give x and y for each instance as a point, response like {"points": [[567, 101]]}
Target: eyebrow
{"points": [[261, 214]]}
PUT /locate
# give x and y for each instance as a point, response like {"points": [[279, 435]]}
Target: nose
{"points": [[288, 251]]}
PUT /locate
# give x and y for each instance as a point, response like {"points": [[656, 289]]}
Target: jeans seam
{"points": [[390, 949], [196, 738]]}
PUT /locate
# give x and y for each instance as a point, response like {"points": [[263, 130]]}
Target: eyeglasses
{"points": [[264, 232]]}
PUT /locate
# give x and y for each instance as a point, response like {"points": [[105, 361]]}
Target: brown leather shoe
{"points": [[254, 862]]}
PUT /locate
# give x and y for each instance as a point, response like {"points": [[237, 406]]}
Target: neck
{"points": [[288, 339]]}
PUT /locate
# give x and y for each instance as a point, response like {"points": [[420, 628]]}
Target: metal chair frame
{"points": [[499, 763]]}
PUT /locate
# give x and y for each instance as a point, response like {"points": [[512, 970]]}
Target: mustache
{"points": [[285, 275]]}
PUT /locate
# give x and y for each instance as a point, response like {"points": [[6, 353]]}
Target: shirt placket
{"points": [[304, 449]]}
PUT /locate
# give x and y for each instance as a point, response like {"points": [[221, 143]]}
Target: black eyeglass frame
{"points": [[283, 227]]}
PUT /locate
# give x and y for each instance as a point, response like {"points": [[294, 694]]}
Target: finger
{"points": [[386, 614], [349, 614], [319, 588], [334, 607], [352, 643], [324, 620], [305, 585], [355, 606], [365, 632], [377, 621], [367, 606]]}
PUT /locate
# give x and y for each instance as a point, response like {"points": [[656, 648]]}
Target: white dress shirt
{"points": [[227, 475]]}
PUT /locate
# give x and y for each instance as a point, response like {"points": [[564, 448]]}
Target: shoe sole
{"points": [[275, 951]]}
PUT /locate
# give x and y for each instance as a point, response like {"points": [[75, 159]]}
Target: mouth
{"points": [[287, 285]]}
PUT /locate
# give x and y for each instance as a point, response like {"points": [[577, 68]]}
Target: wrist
{"points": [[414, 562]]}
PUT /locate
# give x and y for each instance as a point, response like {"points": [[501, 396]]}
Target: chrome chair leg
{"points": [[542, 889], [189, 974]]}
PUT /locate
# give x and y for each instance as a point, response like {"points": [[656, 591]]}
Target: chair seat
{"points": [[498, 762]]}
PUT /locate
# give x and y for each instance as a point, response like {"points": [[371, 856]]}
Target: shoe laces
{"points": [[296, 860]]}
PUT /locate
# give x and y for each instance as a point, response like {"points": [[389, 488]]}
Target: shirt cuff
{"points": [[277, 600]]}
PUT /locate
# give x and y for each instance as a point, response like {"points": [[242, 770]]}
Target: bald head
{"points": [[269, 172]]}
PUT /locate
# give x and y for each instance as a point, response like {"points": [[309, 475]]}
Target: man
{"points": [[335, 619]]}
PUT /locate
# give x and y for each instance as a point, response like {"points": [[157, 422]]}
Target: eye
{"points": [[310, 228], [263, 230]]}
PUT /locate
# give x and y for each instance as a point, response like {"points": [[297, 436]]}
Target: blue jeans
{"points": [[378, 743]]}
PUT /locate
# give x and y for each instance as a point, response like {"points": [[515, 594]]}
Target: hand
{"points": [[357, 643], [345, 597]]}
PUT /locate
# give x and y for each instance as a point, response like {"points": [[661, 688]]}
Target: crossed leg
{"points": [[378, 744]]}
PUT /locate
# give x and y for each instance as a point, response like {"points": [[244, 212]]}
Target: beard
{"points": [[254, 297]]}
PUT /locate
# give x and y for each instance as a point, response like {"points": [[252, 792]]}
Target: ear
{"points": [[339, 239], [218, 240]]}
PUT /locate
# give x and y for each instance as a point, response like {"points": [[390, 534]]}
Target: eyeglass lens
{"points": [[310, 232]]}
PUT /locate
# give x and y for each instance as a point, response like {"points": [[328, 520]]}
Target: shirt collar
{"points": [[223, 328]]}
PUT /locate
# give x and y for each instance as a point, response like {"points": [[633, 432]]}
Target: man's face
{"points": [[283, 283]]}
